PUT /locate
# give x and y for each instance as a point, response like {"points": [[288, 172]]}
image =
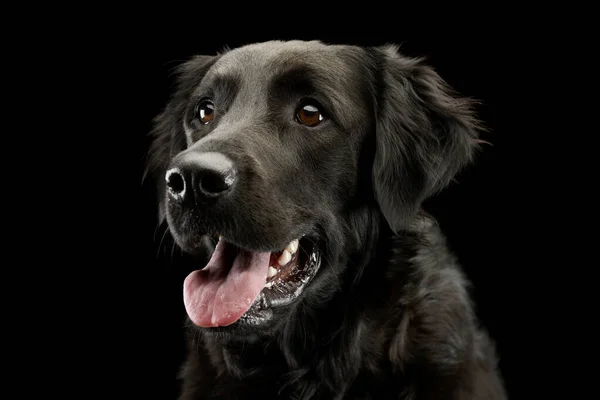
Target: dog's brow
{"points": [[223, 85], [296, 79]]}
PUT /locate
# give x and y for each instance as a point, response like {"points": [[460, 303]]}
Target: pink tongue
{"points": [[224, 290]]}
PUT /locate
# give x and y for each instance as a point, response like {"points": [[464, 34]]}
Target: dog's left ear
{"points": [[425, 134]]}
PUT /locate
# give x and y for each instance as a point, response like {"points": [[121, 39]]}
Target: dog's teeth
{"points": [[293, 246], [272, 272], [284, 258], [220, 237], [269, 284]]}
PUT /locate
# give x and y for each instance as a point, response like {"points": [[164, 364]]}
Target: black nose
{"points": [[203, 175]]}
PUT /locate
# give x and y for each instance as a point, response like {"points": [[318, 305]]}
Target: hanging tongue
{"points": [[224, 290]]}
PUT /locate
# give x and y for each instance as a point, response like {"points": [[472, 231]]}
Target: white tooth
{"points": [[220, 237], [293, 246], [269, 284], [272, 272], [284, 258]]}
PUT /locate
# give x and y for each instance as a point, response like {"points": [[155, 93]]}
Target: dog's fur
{"points": [[388, 315]]}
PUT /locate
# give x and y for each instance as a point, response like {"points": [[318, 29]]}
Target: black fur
{"points": [[388, 315]]}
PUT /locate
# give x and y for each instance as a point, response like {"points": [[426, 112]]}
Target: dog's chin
{"points": [[243, 291]]}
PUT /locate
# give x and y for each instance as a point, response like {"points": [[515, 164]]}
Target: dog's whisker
{"points": [[196, 339], [157, 229], [173, 245], [162, 243]]}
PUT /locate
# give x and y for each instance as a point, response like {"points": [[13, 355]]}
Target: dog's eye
{"points": [[205, 111], [309, 115]]}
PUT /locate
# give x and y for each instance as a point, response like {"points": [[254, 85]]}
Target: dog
{"points": [[295, 172]]}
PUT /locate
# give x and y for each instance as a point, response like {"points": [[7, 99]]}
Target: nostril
{"points": [[215, 183], [175, 182]]}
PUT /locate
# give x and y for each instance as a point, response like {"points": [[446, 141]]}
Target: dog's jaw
{"points": [[285, 288], [239, 286]]}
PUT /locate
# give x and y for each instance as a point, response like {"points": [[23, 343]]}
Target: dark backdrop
{"points": [[481, 212]]}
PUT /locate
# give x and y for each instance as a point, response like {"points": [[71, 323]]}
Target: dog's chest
{"points": [[258, 374]]}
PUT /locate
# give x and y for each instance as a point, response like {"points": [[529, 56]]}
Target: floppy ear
{"points": [[167, 134], [424, 135]]}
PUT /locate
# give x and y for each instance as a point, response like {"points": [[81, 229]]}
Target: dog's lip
{"points": [[279, 289], [284, 291], [255, 249]]}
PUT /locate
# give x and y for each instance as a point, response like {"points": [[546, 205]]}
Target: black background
{"points": [[483, 213]]}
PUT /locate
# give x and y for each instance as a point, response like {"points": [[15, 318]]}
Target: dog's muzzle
{"points": [[238, 284]]}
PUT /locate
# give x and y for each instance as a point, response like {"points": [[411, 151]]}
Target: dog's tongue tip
{"points": [[220, 294]]}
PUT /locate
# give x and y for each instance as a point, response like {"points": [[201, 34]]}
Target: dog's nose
{"points": [[205, 175]]}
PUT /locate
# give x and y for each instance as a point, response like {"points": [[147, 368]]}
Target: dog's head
{"points": [[282, 152]]}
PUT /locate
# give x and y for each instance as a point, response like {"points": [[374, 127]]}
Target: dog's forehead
{"points": [[261, 61]]}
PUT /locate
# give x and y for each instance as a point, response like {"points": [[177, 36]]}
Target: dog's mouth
{"points": [[242, 285]]}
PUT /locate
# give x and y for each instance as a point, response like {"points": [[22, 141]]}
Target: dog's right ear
{"points": [[168, 136]]}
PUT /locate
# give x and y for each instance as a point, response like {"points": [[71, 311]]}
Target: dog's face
{"points": [[275, 151]]}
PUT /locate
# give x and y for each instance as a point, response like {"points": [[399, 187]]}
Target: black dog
{"points": [[307, 165]]}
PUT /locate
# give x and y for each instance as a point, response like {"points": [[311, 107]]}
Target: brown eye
{"points": [[205, 111], [309, 115]]}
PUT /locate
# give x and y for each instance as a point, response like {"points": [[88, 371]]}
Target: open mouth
{"points": [[242, 285]]}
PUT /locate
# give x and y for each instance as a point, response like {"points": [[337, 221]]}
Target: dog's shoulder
{"points": [[434, 309], [437, 332]]}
